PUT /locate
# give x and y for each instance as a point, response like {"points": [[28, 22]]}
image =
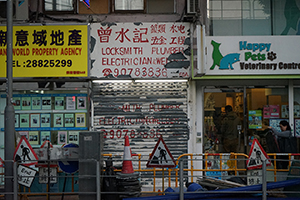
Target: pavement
{"points": [[52, 197]]}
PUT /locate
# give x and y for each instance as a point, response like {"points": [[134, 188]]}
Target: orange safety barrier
{"points": [[233, 158], [232, 164]]}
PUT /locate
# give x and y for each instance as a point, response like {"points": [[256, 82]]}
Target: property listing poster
{"points": [[36, 103]]}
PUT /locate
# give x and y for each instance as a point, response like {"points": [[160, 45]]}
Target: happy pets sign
{"points": [[252, 55]]}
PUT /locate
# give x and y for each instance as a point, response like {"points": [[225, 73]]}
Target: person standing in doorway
{"points": [[229, 130], [286, 132]]}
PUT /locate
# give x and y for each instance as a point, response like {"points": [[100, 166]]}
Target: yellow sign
{"points": [[46, 51], [231, 163]]}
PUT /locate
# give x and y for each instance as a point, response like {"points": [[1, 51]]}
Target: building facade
{"points": [[132, 72], [251, 64], [165, 68]]}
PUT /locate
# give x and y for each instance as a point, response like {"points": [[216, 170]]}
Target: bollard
{"points": [[264, 180], [181, 194], [98, 180], [15, 181]]}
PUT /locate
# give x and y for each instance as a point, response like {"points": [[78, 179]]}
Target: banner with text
{"points": [[252, 55], [140, 50], [46, 51]]}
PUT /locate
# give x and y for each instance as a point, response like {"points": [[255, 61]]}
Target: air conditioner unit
{"points": [[20, 9], [192, 6]]}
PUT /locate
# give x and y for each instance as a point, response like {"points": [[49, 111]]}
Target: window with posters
{"points": [[45, 114], [48, 115]]}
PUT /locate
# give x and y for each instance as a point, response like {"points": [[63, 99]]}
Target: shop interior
{"points": [[258, 108]]}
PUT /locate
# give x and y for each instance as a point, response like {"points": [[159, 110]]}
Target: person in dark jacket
{"points": [[229, 130], [286, 132]]}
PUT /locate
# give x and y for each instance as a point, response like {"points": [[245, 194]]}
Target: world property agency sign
{"points": [[46, 51], [253, 55], [140, 50]]}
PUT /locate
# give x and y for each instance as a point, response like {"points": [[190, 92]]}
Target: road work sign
{"points": [[161, 156], [256, 156], [24, 153]]}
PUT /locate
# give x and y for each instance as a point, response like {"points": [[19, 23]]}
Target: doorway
{"points": [[259, 108], [215, 101]]}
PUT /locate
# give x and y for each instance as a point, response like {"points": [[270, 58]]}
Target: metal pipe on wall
{"points": [[9, 115], [245, 119]]}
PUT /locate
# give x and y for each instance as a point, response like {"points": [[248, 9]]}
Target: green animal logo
{"points": [[216, 54], [224, 62]]}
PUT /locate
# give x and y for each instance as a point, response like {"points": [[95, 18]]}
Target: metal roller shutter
{"points": [[144, 111]]}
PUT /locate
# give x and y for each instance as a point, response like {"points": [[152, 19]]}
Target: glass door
{"points": [[218, 120], [266, 106]]}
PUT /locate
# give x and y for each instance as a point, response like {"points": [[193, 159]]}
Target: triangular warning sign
{"points": [[161, 156], [256, 156], [24, 153]]}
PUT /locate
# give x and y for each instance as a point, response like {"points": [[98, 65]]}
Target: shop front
{"points": [[258, 77], [50, 84], [258, 107], [140, 86]]}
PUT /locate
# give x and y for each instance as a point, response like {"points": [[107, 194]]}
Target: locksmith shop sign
{"points": [[140, 50], [46, 51], [253, 55]]}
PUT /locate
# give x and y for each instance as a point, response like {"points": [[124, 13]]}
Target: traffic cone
{"points": [[127, 163]]}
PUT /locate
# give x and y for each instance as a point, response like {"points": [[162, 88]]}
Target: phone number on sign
{"points": [[140, 72], [111, 134], [43, 63]]}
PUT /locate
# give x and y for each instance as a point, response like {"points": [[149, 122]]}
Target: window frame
{"points": [[59, 12], [113, 10]]}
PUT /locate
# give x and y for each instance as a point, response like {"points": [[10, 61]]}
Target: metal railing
{"points": [[160, 179]]}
